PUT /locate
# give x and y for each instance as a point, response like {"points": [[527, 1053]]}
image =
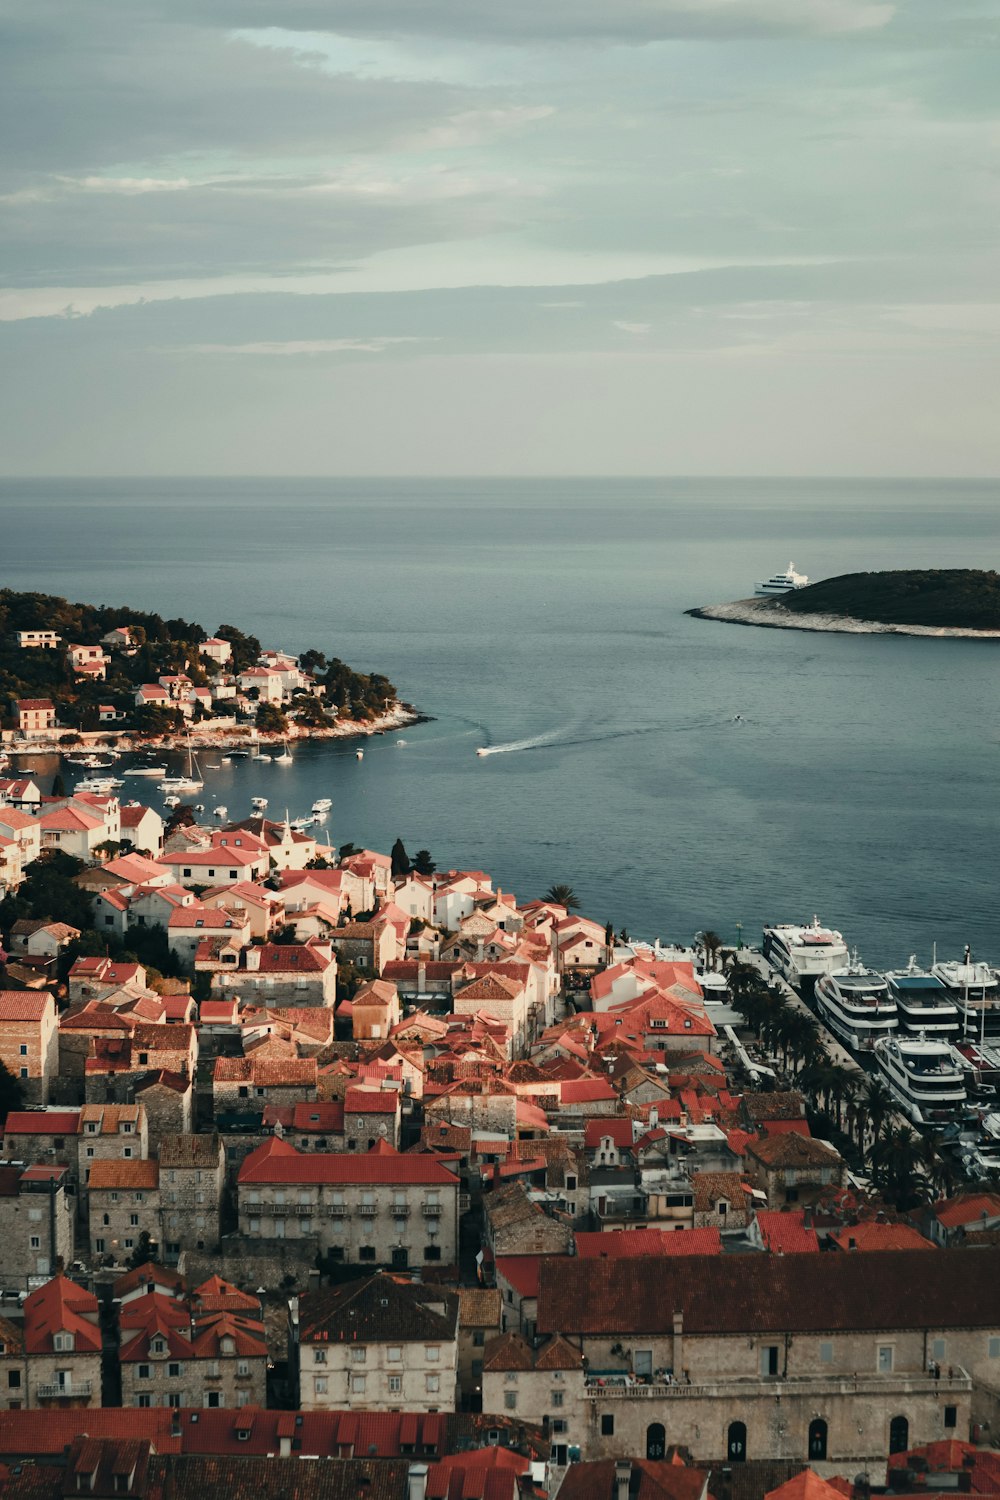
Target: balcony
{"points": [[401, 1210], [305, 1209], [367, 1210], [68, 1389], [337, 1210], [620, 1387], [432, 1210]]}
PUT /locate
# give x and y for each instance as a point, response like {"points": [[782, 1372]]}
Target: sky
{"points": [[497, 237]]}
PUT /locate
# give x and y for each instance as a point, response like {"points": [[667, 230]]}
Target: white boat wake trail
{"points": [[531, 744]]}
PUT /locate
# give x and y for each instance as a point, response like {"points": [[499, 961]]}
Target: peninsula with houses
{"points": [[940, 602], [320, 1153], [76, 673]]}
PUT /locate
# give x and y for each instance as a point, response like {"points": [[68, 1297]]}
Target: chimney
{"points": [[416, 1482], [678, 1354], [623, 1474]]}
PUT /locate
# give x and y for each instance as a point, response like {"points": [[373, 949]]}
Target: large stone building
{"points": [[55, 1360], [205, 1349], [379, 1207], [36, 1223], [840, 1357], [124, 1204], [29, 1041], [381, 1344], [192, 1177]]}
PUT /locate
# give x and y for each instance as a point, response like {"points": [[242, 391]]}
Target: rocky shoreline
{"points": [[770, 614], [202, 736]]}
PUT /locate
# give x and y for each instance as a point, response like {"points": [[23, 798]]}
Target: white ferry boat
{"points": [[924, 1006], [975, 989], [923, 1076], [804, 953], [781, 583], [856, 1005]]}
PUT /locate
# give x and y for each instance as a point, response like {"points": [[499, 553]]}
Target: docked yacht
{"points": [[975, 989], [322, 805], [856, 1005], [158, 771], [923, 1076], [925, 1007], [802, 954], [781, 583]]}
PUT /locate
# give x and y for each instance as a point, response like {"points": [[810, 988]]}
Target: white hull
{"points": [[930, 1095], [859, 1032]]}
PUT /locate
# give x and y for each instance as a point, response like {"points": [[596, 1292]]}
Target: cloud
{"points": [[283, 348], [634, 328]]}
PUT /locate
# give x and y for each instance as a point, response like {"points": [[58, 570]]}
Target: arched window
{"points": [[817, 1439], [736, 1443], [656, 1440], [899, 1435]]}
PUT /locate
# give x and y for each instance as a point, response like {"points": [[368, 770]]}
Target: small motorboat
{"points": [[227, 760], [481, 750], [359, 754], [258, 803], [171, 801], [400, 742], [221, 811], [301, 824], [322, 804], [158, 771]]}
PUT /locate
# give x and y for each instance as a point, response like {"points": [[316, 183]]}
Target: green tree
{"points": [[562, 895], [58, 786], [270, 719], [400, 860], [143, 1252], [422, 863], [710, 944], [11, 1091]]}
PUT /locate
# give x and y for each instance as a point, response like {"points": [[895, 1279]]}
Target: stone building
{"points": [[380, 1344], [793, 1168], [524, 1379], [244, 1084], [283, 974], [192, 1176], [29, 1041], [371, 1115], [36, 1223], [109, 1132], [380, 1208], [815, 1357], [58, 1363], [480, 1319], [168, 1100], [375, 1010], [206, 1349], [124, 1203]]}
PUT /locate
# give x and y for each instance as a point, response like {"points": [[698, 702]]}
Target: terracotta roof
{"points": [[42, 1122], [649, 1479], [709, 1187], [774, 1106], [805, 1486], [378, 1309], [786, 1233], [523, 1272], [968, 1209], [876, 1236], [276, 1161], [624, 1244], [371, 1101], [763, 1293], [479, 1307], [793, 1150], [60, 1306], [508, 1351], [201, 1151], [124, 1174], [25, 1005]]}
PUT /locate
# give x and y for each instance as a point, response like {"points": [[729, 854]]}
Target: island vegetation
{"points": [[156, 648], [937, 598]]}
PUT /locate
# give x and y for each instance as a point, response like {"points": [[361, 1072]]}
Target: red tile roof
{"points": [[875, 1236], [786, 1233], [371, 1101], [276, 1161], [623, 1244], [60, 1306], [25, 1005], [42, 1122], [968, 1209]]}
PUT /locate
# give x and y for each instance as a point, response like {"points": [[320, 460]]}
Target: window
{"points": [[938, 1347], [510, 1400], [62, 1342], [885, 1357], [358, 1354], [213, 1398], [994, 1348], [134, 1220], [826, 1354], [433, 1352], [559, 1424], [142, 1400], [319, 1356], [24, 1073], [89, 1153], [358, 1383], [951, 1416], [13, 1380], [173, 1398], [99, 1246], [23, 1051], [127, 1152], [557, 1398], [366, 1252], [432, 1383], [395, 1384], [607, 1425], [145, 1372], [35, 1242], [174, 1370], [158, 1346], [478, 1338], [769, 1359], [320, 1385], [243, 1367]]}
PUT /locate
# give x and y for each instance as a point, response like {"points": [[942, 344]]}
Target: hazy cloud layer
{"points": [[251, 209]]}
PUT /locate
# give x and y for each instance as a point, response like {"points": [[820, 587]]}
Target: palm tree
{"points": [[878, 1105], [562, 895], [895, 1167], [710, 943]]}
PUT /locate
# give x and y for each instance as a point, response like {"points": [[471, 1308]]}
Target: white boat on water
{"points": [[322, 805], [301, 824], [975, 989], [158, 771], [221, 811], [285, 758], [924, 1005], [172, 800], [191, 782], [924, 1077], [781, 583], [802, 954], [102, 784], [259, 804], [856, 1005], [360, 754]]}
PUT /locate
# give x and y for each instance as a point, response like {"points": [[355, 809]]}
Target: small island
{"points": [[72, 672], [962, 602]]}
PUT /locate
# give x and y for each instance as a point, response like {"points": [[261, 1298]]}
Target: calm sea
{"points": [[545, 619]]}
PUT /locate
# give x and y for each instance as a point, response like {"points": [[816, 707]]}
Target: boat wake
{"points": [[534, 743], [570, 736]]}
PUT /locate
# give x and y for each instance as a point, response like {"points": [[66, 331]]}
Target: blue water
{"points": [[547, 617]]}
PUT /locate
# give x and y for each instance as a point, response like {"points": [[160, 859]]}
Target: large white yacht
{"points": [[855, 1003], [802, 954], [975, 989], [781, 583], [923, 1076], [924, 1006]]}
